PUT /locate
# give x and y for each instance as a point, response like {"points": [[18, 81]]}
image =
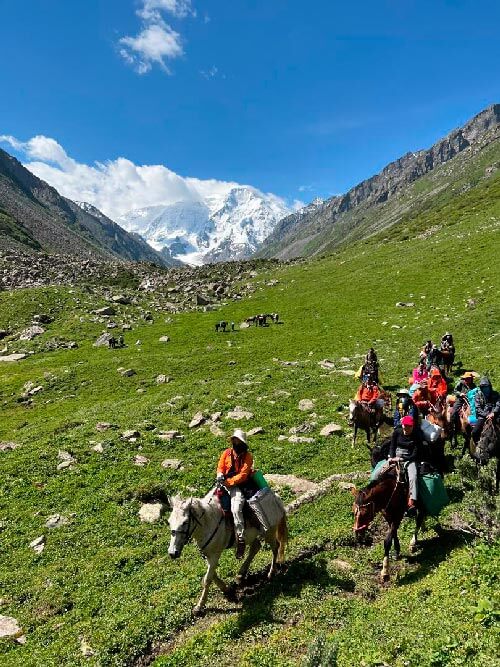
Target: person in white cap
{"points": [[234, 469]]}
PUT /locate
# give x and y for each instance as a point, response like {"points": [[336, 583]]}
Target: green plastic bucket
{"points": [[260, 480]]}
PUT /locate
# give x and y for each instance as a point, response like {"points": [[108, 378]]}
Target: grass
{"points": [[106, 578]]}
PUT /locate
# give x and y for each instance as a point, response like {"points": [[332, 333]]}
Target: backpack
{"points": [[471, 398]]}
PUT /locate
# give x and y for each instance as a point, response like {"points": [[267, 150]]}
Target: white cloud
{"points": [[117, 186], [210, 73], [151, 46], [157, 41]]}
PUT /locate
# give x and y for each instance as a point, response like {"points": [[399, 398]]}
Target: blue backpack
{"points": [[471, 398]]}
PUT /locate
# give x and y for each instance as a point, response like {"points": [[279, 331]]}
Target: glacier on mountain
{"points": [[224, 224]]}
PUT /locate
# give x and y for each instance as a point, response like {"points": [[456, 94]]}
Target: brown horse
{"points": [[488, 448], [460, 425], [447, 359], [388, 495], [361, 417]]}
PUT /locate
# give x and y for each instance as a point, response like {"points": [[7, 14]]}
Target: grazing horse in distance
{"points": [[361, 417], [488, 448], [389, 496], [203, 520], [221, 326]]}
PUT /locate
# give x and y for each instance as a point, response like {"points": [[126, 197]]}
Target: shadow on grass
{"points": [[258, 594], [433, 552]]}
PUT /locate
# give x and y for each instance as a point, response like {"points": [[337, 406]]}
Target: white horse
{"points": [[203, 519]]}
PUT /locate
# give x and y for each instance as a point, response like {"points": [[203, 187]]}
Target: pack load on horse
{"points": [[366, 411], [395, 487], [208, 520]]}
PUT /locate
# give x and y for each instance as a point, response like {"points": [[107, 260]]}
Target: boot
{"points": [[240, 547], [412, 508]]}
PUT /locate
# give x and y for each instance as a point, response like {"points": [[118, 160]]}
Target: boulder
{"points": [[103, 340], [198, 419], [107, 310], [162, 379], [330, 429], [170, 435], [13, 357], [38, 544], [103, 426], [405, 304], [173, 464], [140, 460], [126, 372], [258, 430], [3, 333], [239, 413], [56, 521], [151, 512], [216, 430], [306, 427], [9, 627], [8, 446], [327, 364], [31, 332], [121, 298], [306, 405], [299, 439], [131, 435], [164, 339], [201, 300]]}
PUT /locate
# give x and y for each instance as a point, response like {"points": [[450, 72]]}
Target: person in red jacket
{"points": [[437, 385], [234, 469], [369, 394], [422, 398]]}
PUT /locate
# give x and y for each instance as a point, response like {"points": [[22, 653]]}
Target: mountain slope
{"points": [[402, 190], [34, 216], [228, 225]]}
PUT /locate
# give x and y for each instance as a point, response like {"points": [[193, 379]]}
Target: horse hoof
{"points": [[240, 579], [384, 578], [198, 611]]}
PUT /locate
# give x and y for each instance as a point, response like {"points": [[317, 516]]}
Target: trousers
{"points": [[237, 503]]}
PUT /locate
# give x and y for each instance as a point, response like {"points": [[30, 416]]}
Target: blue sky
{"points": [[301, 99]]}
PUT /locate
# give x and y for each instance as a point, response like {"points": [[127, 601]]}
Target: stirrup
{"points": [[240, 547]]}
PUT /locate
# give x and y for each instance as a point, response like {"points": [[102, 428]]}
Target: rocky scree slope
{"points": [[402, 190], [35, 217]]}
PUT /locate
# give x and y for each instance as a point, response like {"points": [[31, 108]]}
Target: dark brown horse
{"points": [[361, 417], [389, 496], [488, 448]]}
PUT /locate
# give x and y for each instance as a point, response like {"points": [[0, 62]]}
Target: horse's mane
{"points": [[364, 493]]}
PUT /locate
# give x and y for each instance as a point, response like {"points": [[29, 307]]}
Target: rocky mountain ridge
{"points": [[370, 206], [34, 216]]}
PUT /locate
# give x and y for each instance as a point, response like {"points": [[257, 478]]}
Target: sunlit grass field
{"points": [[105, 579]]}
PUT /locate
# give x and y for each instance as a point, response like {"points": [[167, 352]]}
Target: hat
{"points": [[402, 392], [240, 435], [435, 372], [407, 421], [468, 376]]}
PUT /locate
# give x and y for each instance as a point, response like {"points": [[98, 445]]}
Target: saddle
{"points": [[251, 521]]}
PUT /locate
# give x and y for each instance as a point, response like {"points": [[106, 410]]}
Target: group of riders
{"points": [[426, 397], [427, 393]]}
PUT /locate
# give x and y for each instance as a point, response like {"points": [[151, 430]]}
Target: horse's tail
{"points": [[282, 537]]}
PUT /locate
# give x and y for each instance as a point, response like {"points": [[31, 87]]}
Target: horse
{"points": [[389, 496], [221, 326], [447, 359], [488, 447], [204, 520], [460, 424], [361, 417]]}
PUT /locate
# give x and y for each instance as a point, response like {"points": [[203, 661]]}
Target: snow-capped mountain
{"points": [[220, 226]]}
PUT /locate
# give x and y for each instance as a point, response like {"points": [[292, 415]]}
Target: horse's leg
{"points": [[207, 580], [355, 434], [274, 544], [418, 525], [397, 545], [385, 574], [252, 552]]}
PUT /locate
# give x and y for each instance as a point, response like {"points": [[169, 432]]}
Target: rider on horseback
{"points": [[234, 469], [369, 394], [437, 385], [464, 385], [406, 447], [404, 406], [487, 407]]}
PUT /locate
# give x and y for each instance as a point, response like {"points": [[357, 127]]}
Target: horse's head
{"points": [[182, 524], [364, 511], [353, 409]]}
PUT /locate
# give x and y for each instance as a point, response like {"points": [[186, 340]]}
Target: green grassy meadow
{"points": [[106, 579]]}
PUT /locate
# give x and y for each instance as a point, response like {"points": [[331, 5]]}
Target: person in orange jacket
{"points": [[437, 385], [369, 394], [422, 398], [234, 469]]}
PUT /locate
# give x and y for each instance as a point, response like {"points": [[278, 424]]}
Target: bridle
{"points": [[371, 504], [195, 521]]}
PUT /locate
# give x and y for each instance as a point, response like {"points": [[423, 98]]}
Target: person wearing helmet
{"points": [[487, 407], [234, 469], [404, 406]]}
